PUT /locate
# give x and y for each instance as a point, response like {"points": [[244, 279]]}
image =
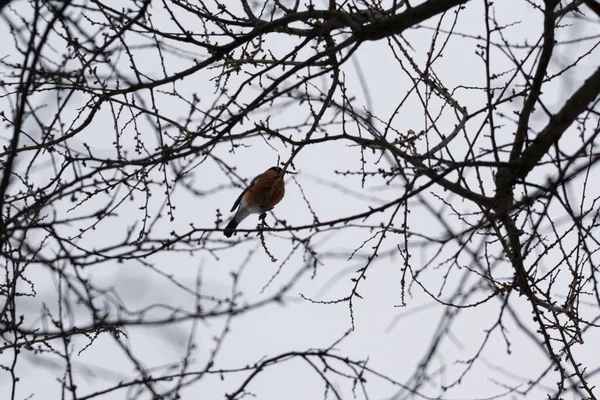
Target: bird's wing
{"points": [[239, 199]]}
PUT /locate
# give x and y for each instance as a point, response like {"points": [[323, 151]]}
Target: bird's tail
{"points": [[239, 216], [230, 228]]}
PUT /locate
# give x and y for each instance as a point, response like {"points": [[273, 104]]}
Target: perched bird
{"points": [[263, 193]]}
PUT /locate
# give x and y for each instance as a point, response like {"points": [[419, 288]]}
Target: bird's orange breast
{"points": [[267, 191]]}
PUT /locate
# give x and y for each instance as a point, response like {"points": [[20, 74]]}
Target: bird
{"points": [[265, 191]]}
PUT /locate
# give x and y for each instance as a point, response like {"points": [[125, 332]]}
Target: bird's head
{"points": [[277, 170]]}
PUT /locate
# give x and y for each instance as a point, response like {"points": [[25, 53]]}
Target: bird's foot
{"points": [[262, 218]]}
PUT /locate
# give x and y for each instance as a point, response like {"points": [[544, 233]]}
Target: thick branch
{"points": [[593, 5], [558, 124], [536, 84], [4, 3], [398, 23]]}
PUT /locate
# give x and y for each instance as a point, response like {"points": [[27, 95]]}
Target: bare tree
{"points": [[124, 124]]}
